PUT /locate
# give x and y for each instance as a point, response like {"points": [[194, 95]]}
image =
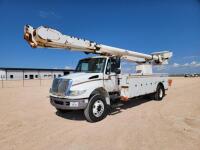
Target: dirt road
{"points": [[29, 122]]}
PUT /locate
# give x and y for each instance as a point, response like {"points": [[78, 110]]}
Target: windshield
{"points": [[94, 65]]}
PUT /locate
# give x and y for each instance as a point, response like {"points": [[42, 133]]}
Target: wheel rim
{"points": [[161, 93], [98, 108]]}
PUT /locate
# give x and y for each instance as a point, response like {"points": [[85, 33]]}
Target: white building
{"points": [[31, 73]]}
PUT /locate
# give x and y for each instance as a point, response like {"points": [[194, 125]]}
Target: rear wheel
{"points": [[160, 92], [96, 109]]}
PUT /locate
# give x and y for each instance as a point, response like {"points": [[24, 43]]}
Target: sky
{"points": [[140, 25]]}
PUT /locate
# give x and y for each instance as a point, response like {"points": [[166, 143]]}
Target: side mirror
{"points": [[117, 71]]}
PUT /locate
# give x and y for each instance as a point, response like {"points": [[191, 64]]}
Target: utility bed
{"points": [[133, 85]]}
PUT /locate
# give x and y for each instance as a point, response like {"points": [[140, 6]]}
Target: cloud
{"points": [[186, 65], [68, 67], [190, 57], [49, 14], [192, 64], [198, 65], [176, 65]]}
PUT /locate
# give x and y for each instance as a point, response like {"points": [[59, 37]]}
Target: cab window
{"points": [[112, 65]]}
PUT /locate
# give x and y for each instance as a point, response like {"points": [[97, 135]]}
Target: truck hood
{"points": [[82, 77]]}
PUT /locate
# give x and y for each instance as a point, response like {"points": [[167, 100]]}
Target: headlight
{"points": [[76, 93]]}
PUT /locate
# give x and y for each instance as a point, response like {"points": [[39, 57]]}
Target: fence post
{"points": [[23, 78], [39, 77], [2, 82]]}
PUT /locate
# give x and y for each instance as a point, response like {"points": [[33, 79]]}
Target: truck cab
{"points": [[94, 77]]}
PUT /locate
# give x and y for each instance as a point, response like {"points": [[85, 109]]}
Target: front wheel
{"points": [[96, 109]]}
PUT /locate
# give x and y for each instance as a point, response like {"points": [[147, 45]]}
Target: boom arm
{"points": [[47, 37]]}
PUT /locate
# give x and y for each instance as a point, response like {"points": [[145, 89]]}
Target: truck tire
{"points": [[160, 92], [96, 109]]}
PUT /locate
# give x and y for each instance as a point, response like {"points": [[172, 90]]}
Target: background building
{"points": [[31, 73]]}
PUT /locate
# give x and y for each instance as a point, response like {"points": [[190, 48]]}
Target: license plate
{"points": [[73, 104]]}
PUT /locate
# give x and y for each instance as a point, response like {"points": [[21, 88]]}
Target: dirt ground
{"points": [[29, 122]]}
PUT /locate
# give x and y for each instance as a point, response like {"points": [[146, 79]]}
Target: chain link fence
{"points": [[25, 83]]}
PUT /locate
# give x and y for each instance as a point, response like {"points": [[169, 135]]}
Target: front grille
{"points": [[60, 86], [67, 103], [58, 102]]}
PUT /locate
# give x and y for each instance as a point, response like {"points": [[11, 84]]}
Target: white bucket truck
{"points": [[97, 82]]}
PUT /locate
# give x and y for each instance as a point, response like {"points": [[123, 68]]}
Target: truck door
{"points": [[111, 82]]}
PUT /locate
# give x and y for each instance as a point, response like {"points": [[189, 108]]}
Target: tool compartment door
{"points": [[136, 85]]}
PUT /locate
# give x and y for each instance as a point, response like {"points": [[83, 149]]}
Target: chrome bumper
{"points": [[68, 104]]}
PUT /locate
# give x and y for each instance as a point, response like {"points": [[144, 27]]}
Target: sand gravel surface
{"points": [[29, 122]]}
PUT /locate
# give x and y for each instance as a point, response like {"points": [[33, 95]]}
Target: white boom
{"points": [[47, 37]]}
